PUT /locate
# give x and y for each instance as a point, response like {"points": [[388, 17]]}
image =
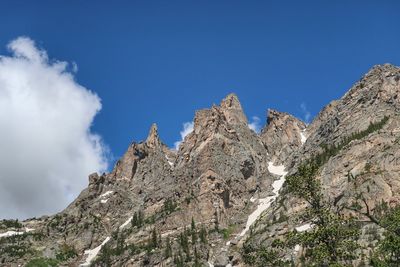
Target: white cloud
{"points": [[255, 124], [306, 112], [187, 129], [46, 147]]}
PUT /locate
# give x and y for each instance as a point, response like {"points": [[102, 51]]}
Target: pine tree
{"points": [[203, 235], [154, 240], [388, 249], [193, 232], [140, 219], [134, 221], [168, 249], [333, 238]]}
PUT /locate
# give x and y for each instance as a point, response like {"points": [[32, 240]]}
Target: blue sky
{"points": [[159, 61]]}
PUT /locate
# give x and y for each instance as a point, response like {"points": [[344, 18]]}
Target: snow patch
{"points": [[103, 196], [12, 233], [304, 227], [300, 229], [210, 264], [126, 223], [303, 137], [92, 253], [169, 161], [265, 203], [106, 194], [277, 170]]}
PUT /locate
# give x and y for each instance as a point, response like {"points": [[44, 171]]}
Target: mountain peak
{"points": [[231, 101], [232, 109], [282, 135], [153, 139], [273, 114], [386, 68], [380, 83], [224, 175]]}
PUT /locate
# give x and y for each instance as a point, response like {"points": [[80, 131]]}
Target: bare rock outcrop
{"points": [[161, 207], [283, 136]]}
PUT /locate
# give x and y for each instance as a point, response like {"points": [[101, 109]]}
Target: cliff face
{"points": [[222, 189], [283, 135], [356, 141]]}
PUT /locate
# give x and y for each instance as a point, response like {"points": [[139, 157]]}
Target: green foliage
{"points": [[66, 252], [333, 238], [116, 247], [227, 232], [196, 259], [184, 242], [388, 251], [368, 167], [168, 248], [193, 225], [153, 240], [193, 232], [169, 206], [137, 219], [42, 262], [104, 259], [332, 150], [55, 221], [203, 235], [304, 185], [150, 220], [10, 224], [16, 250], [178, 259], [263, 256]]}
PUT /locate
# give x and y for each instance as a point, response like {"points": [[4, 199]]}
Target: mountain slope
{"points": [[224, 190]]}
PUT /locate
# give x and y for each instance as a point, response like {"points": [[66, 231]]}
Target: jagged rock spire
{"points": [[283, 135], [153, 139], [232, 110]]}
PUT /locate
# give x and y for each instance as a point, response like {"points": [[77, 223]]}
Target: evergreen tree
{"points": [[134, 221], [333, 238], [193, 232], [203, 235], [168, 248], [387, 253], [154, 239]]}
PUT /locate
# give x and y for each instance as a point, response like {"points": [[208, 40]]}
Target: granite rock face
{"points": [[282, 136], [161, 207], [363, 172]]}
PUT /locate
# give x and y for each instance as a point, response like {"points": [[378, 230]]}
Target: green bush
{"points": [[42, 262], [66, 252], [11, 223]]}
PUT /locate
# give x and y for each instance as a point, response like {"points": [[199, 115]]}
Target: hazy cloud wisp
{"points": [[306, 112], [187, 129], [255, 124], [47, 148]]}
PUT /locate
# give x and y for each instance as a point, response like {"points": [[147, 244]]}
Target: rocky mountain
{"points": [[231, 197]]}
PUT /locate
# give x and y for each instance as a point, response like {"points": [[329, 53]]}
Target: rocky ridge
{"points": [[221, 191]]}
